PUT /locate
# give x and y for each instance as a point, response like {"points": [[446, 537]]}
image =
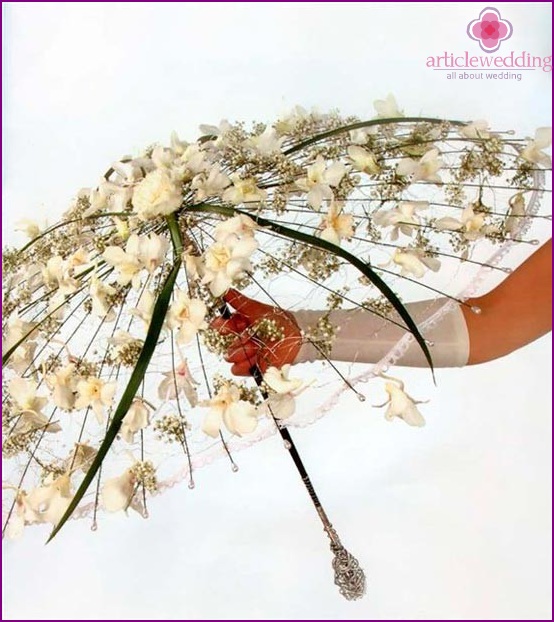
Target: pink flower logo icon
{"points": [[489, 29]]}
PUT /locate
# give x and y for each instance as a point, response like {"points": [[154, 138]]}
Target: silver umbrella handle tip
{"points": [[349, 576]]}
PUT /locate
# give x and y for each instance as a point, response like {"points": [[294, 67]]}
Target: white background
{"points": [[451, 521]]}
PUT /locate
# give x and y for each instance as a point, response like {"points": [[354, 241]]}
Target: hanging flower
{"points": [[363, 160], [471, 224], [30, 227], [28, 407], [400, 404], [23, 514], [227, 261], [281, 403], [136, 419], [227, 408], [126, 262], [16, 330], [179, 381], [211, 185], [152, 251], [238, 226], [402, 219], [424, 170], [144, 308], [516, 213], [414, 262], [267, 143], [319, 180], [244, 191], [117, 492], [63, 383], [336, 225], [534, 150], [187, 316], [95, 393], [387, 108], [80, 458], [50, 500], [56, 275], [475, 130], [156, 195], [100, 293]]}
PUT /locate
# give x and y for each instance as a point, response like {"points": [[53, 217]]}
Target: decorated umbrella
{"points": [[116, 385]]}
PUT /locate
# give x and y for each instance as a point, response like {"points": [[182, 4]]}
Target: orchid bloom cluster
{"points": [[107, 313]]}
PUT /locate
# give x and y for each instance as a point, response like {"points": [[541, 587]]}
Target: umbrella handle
{"points": [[349, 576]]}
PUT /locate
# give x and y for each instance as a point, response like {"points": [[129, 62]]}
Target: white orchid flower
{"points": [[99, 294], [63, 383], [56, 275], [516, 213], [414, 262], [187, 315], [23, 514], [16, 329], [117, 492], [80, 458], [152, 251], [281, 403], [471, 224], [244, 191], [267, 143], [534, 150], [127, 263], [179, 381], [403, 218], [240, 225], [400, 404], [387, 108], [475, 129], [30, 228], [137, 418], [50, 500], [226, 408], [363, 160], [224, 262], [319, 180], [144, 308], [95, 393], [423, 170], [158, 194], [211, 185], [336, 225]]}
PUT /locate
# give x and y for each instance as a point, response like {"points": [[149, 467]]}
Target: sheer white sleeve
{"points": [[364, 337]]}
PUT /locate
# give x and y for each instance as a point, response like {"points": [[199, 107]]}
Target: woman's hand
{"points": [[253, 348]]}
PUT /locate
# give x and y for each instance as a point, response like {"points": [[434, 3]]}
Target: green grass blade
{"points": [[158, 317]]}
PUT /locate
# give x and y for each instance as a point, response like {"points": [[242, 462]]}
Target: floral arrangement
{"points": [[115, 384]]}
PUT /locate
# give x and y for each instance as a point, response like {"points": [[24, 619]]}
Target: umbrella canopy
{"points": [[116, 385]]}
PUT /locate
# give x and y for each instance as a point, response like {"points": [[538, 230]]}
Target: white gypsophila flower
{"points": [[136, 419], [319, 180], [414, 262], [387, 108], [211, 185], [244, 191], [363, 160], [158, 194], [176, 381], [224, 262], [475, 129], [227, 409], [534, 150], [400, 404], [336, 225], [402, 219], [97, 394], [127, 263], [423, 170], [187, 315], [63, 384]]}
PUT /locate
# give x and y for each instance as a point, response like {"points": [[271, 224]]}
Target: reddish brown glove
{"points": [[250, 349]]}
